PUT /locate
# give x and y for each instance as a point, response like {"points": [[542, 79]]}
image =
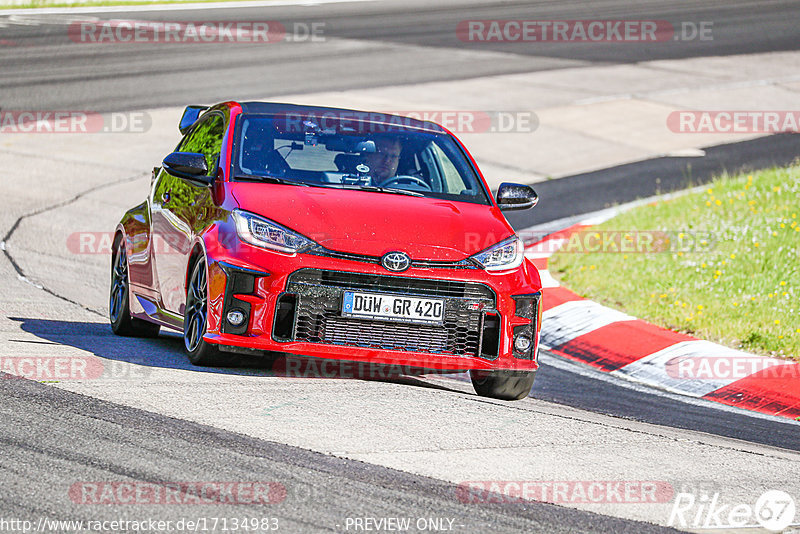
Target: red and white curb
{"points": [[613, 342]]}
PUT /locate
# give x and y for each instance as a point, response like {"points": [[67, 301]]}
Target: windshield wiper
{"points": [[268, 179], [377, 189]]}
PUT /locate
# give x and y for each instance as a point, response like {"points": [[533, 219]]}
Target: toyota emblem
{"points": [[396, 261]]}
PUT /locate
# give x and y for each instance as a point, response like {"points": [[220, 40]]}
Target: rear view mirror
{"points": [[190, 116], [190, 166], [516, 197]]}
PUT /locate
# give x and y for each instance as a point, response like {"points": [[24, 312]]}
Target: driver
{"points": [[383, 162]]}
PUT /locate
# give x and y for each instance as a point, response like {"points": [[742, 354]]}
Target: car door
{"points": [[177, 209]]}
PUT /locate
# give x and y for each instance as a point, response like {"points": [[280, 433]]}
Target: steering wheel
{"points": [[400, 178]]}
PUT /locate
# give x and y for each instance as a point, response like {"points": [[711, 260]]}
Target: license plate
{"points": [[393, 307]]}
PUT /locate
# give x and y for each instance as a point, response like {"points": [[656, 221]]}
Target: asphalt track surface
{"points": [[98, 438], [366, 49], [319, 491]]}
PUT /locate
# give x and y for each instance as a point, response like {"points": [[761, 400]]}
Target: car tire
{"points": [[502, 384], [195, 321], [119, 312]]}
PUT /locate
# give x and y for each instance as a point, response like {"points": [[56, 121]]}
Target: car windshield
{"points": [[326, 151]]}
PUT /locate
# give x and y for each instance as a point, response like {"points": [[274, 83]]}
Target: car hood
{"points": [[373, 224]]}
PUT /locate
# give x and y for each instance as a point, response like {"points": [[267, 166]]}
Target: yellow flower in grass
{"points": [[708, 202], [777, 321], [783, 282], [718, 202], [774, 233], [733, 256], [756, 244], [699, 306]]}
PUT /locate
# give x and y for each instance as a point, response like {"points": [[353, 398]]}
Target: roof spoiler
{"points": [[190, 115]]}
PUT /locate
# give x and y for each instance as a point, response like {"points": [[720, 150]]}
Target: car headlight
{"points": [[264, 233], [506, 254]]}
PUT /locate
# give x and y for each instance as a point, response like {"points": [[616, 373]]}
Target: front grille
{"points": [[421, 264], [318, 316]]}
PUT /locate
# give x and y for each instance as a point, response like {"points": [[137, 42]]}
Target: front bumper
{"points": [[292, 304]]}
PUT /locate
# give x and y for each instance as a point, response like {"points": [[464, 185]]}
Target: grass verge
{"points": [[722, 264]]}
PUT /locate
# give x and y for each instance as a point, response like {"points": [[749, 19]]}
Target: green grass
{"points": [[728, 270]]}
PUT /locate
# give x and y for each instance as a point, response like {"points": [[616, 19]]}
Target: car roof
{"points": [[272, 108]]}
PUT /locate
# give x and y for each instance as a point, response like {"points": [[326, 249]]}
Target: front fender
{"points": [[135, 227]]}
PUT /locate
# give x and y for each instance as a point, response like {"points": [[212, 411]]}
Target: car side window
{"points": [[443, 172], [206, 139]]}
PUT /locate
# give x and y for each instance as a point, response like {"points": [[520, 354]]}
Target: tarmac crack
{"points": [[4, 243]]}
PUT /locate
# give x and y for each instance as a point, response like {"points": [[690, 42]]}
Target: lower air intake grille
{"points": [[318, 318]]}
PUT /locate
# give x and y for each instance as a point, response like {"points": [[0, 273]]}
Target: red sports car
{"points": [[335, 234]]}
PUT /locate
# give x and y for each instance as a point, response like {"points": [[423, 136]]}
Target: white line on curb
{"points": [[628, 382]]}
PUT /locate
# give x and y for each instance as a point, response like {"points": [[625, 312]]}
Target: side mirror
{"points": [[516, 197], [189, 166], [190, 116]]}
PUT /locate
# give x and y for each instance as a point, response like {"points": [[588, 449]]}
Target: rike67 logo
{"points": [[774, 510]]}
